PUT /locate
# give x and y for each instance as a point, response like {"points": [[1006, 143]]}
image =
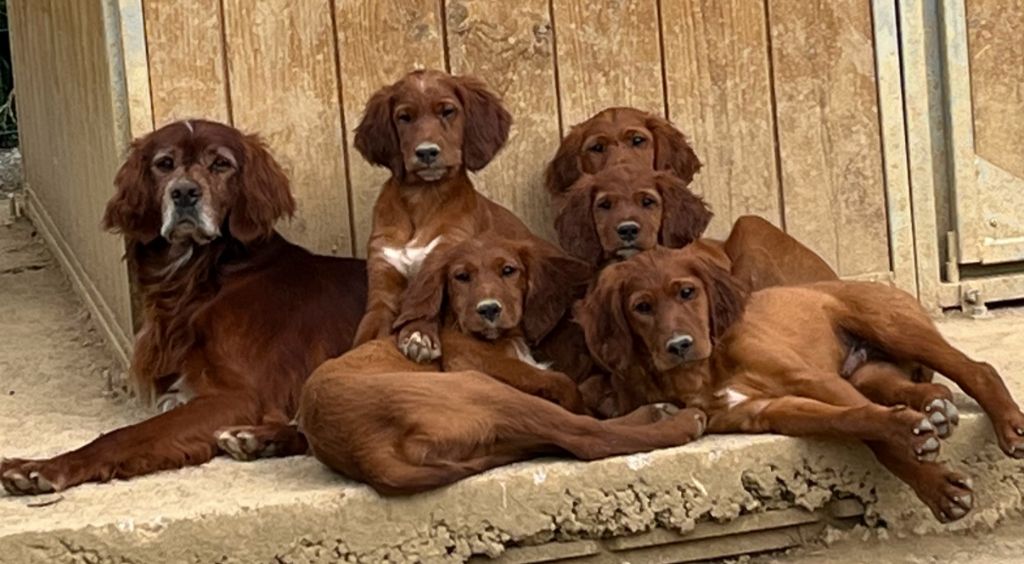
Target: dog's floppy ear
{"points": [[376, 138], [424, 297], [685, 216], [264, 195], [726, 295], [602, 316], [487, 122], [134, 211], [574, 223], [553, 282], [671, 151], [564, 169]]}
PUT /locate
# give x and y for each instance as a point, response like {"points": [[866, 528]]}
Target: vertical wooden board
{"points": [[608, 55], [995, 31], [510, 46], [283, 80], [828, 126], [184, 40], [718, 81], [378, 42]]}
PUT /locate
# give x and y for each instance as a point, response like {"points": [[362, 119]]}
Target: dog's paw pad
{"points": [[243, 445]]}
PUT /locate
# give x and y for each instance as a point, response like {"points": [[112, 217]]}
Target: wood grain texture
{"points": [[379, 42], [70, 139], [510, 46], [186, 60], [718, 80], [995, 31], [283, 79], [608, 55], [829, 138]]}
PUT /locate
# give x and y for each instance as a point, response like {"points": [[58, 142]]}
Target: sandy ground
{"points": [[55, 394]]}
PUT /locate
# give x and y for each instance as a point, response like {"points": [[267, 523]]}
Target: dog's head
{"points": [[626, 209], [190, 181], [430, 125], [495, 286], [662, 308], [615, 136]]}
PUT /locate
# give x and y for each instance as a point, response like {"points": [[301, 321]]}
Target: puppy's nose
{"points": [[489, 310], [427, 152], [679, 345], [628, 231], [185, 194]]}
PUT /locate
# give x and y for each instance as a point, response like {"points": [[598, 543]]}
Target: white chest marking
{"points": [[523, 353], [732, 397], [408, 259]]}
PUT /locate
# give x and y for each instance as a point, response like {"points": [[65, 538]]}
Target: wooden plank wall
{"points": [[780, 98]]}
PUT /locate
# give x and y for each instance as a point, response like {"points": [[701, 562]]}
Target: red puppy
{"points": [[234, 317], [670, 325]]}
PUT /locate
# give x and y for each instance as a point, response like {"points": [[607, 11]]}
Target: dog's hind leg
{"points": [[886, 384]]}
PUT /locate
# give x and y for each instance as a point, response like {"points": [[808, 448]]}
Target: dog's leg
{"points": [[180, 437], [268, 440], [946, 492], [887, 384], [386, 286], [904, 331]]}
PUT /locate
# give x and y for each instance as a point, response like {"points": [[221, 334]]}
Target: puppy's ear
{"points": [[376, 138], [134, 211], [264, 195], [564, 169], [574, 223], [602, 316], [685, 216], [553, 282], [726, 295], [424, 297], [671, 151], [487, 122]]}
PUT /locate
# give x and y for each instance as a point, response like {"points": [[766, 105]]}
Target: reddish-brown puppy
{"points": [[670, 325], [429, 129], [234, 317], [502, 297]]}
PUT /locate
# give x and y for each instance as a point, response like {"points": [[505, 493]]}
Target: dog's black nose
{"points": [[680, 345], [185, 194], [489, 310], [427, 153], [628, 231]]}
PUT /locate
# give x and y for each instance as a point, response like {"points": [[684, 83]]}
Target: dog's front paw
{"points": [[29, 477], [419, 343]]}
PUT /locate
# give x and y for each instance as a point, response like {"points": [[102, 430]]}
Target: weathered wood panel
{"points": [[378, 42], [70, 145], [718, 81], [510, 45], [283, 83], [828, 127], [608, 55], [996, 41], [186, 60]]}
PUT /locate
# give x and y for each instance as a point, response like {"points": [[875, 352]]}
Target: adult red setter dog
{"points": [[403, 427], [429, 129], [234, 317], [762, 254], [671, 325]]}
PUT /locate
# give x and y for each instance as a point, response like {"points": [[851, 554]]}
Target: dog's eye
{"points": [[648, 201], [509, 270], [447, 112], [605, 204], [687, 293], [642, 308], [596, 148], [638, 140], [165, 164], [221, 165], [462, 277], [404, 117]]}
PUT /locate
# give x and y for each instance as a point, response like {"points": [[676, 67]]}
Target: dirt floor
{"points": [[56, 391]]}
